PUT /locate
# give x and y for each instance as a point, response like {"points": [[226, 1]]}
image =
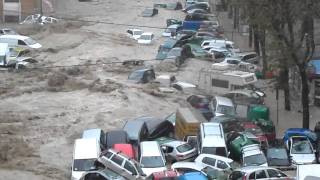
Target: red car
{"points": [[126, 149], [164, 175], [256, 131]]}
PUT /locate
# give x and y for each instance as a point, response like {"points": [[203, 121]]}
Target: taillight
{"points": [[244, 177]]}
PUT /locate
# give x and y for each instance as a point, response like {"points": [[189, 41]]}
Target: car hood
{"points": [[303, 158], [35, 46], [149, 171], [278, 162], [77, 174]]}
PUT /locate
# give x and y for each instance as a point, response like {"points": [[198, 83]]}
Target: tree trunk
{"points": [[250, 36], [262, 39], [256, 40], [305, 95], [235, 17], [286, 89]]}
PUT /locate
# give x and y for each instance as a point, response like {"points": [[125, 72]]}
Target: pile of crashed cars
{"points": [[227, 136], [15, 49]]}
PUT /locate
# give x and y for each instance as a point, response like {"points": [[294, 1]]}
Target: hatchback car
{"points": [[220, 106], [176, 150], [216, 162], [134, 33], [146, 38], [164, 175], [256, 172], [149, 12], [137, 131], [121, 164], [201, 103], [142, 75], [104, 174], [252, 155]]}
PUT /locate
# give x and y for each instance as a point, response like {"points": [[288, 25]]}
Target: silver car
{"points": [[121, 164], [258, 172], [176, 150]]}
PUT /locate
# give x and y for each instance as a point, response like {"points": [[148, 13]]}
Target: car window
{"points": [[117, 159], [275, 174], [130, 168], [222, 165], [107, 154], [261, 174], [130, 32], [252, 176], [184, 148], [209, 161], [21, 43], [206, 44], [168, 149], [236, 175]]}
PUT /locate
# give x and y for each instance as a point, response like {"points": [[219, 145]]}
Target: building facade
{"points": [[17, 10]]}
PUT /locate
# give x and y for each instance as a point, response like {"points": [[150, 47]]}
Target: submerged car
{"points": [[244, 97], [146, 38], [176, 150], [142, 75], [134, 33], [149, 12], [8, 31]]}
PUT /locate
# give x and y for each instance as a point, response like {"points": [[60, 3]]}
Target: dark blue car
{"points": [[193, 176], [300, 132]]}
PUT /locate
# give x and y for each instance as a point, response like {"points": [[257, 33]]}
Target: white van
{"points": [[4, 54], [152, 157], [85, 154], [211, 139], [230, 45], [220, 81], [18, 40]]}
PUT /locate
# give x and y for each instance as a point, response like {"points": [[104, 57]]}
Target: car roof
{"points": [[147, 33], [92, 133], [86, 149], [242, 91], [19, 37], [174, 26], [224, 101], [175, 143], [148, 148], [191, 165], [213, 141], [249, 169], [132, 127], [228, 160]]}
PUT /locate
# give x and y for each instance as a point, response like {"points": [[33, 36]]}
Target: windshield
{"points": [[136, 75], [277, 154], [137, 32], [301, 147], [30, 41], [152, 161], [84, 165], [184, 148], [145, 37], [220, 151], [254, 160], [255, 131], [228, 110]]}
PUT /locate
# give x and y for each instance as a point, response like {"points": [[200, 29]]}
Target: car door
{"points": [[117, 163], [261, 175], [129, 171], [275, 174]]}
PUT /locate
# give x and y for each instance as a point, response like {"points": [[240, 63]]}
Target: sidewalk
{"points": [[286, 119]]}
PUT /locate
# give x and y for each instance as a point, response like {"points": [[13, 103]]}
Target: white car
{"points": [[184, 167], [301, 150], [134, 33], [146, 38], [38, 19], [152, 158], [252, 155], [170, 29], [18, 40], [176, 150], [216, 162]]}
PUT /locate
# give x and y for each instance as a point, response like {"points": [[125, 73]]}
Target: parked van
{"points": [[211, 139], [97, 134], [152, 157], [85, 154], [214, 81], [220, 44], [187, 122], [18, 40]]}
